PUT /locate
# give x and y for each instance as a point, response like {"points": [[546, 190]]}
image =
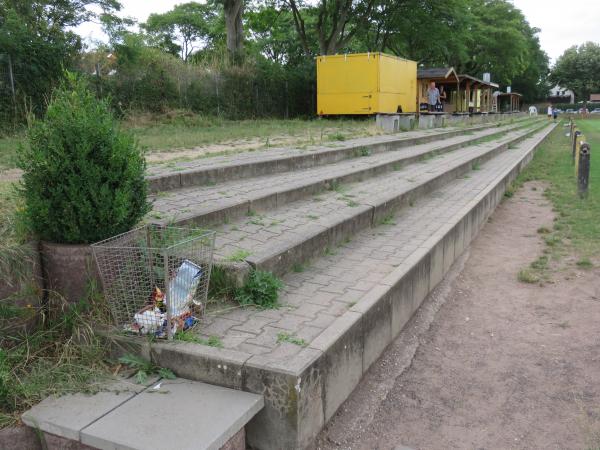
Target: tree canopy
{"points": [[474, 36], [578, 69], [185, 29]]}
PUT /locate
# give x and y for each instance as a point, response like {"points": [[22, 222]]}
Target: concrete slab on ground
{"points": [[178, 414], [67, 415]]}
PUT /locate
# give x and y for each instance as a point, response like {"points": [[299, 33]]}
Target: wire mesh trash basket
{"points": [[155, 278]]}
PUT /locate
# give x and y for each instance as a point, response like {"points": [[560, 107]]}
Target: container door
{"points": [[346, 84]]}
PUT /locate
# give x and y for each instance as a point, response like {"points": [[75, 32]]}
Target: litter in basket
{"points": [[155, 278]]}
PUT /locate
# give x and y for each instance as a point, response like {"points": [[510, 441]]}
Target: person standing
{"points": [[433, 97], [554, 113], [549, 111]]}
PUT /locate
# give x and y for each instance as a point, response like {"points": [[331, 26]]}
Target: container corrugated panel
{"points": [[365, 83]]}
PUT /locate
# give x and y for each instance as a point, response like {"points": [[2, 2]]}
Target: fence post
{"points": [[574, 137], [217, 91], [287, 101], [571, 128], [583, 174], [169, 302], [12, 79], [580, 140]]}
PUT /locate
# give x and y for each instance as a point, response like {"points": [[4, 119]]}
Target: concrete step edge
{"points": [[282, 259], [280, 197], [322, 156]]}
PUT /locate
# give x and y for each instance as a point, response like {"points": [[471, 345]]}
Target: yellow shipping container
{"points": [[365, 83]]}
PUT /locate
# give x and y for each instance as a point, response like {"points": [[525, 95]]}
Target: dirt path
{"points": [[501, 365]]}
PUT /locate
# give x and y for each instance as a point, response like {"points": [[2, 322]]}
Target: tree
{"points": [[273, 35], [533, 81], [337, 22], [234, 10], [578, 69], [187, 24], [35, 35], [403, 27], [496, 41]]}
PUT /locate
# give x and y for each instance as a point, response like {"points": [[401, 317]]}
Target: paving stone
{"points": [[220, 325], [322, 321], [330, 285], [290, 322], [254, 349], [274, 154], [307, 310], [322, 298], [267, 338], [412, 228], [254, 324], [308, 333], [207, 198], [172, 420], [234, 339], [67, 415]]}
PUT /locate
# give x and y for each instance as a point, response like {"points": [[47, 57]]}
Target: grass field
{"points": [[179, 130], [576, 229]]}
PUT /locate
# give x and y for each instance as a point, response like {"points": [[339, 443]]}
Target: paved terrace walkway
{"points": [[273, 153], [332, 284]]}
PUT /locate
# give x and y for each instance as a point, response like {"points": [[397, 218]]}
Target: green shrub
{"points": [[261, 289], [83, 177]]}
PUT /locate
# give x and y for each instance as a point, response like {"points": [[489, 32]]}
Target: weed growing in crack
{"points": [[285, 337]]}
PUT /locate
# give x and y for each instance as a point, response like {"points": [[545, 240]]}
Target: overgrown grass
{"points": [[60, 355], [12, 227], [238, 255], [189, 336], [528, 276], [576, 228], [577, 223], [144, 368], [290, 338], [260, 289], [184, 130]]}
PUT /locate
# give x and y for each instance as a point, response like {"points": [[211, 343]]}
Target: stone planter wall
{"points": [[68, 269]]}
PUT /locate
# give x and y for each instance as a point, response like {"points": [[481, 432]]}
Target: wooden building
{"points": [[460, 93], [446, 80], [475, 95], [505, 102]]}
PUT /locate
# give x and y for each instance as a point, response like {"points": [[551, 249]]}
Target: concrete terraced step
{"points": [[342, 310], [162, 414], [252, 164], [284, 238], [209, 205]]}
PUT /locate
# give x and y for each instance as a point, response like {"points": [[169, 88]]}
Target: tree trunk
{"points": [[233, 10]]}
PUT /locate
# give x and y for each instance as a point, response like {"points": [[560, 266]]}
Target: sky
{"points": [[563, 24]]}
